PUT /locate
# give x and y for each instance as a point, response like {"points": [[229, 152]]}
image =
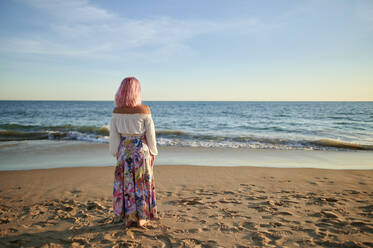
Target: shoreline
{"points": [[206, 206], [190, 165], [65, 154]]}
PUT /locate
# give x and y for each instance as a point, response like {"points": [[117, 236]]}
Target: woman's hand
{"points": [[152, 158]]}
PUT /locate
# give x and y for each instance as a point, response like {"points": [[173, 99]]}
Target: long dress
{"points": [[134, 193], [134, 196]]}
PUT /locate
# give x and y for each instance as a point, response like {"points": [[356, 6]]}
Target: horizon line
{"points": [[44, 100]]}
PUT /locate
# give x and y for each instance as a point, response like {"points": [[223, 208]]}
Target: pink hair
{"points": [[129, 93]]}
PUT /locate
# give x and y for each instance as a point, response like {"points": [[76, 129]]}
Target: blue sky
{"points": [[187, 50]]}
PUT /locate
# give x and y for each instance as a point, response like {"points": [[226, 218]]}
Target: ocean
{"points": [[252, 125], [52, 134]]}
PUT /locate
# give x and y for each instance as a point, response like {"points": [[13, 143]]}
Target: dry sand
{"points": [[198, 206]]}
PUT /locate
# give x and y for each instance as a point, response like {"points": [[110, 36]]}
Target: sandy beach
{"points": [[257, 117], [198, 206]]}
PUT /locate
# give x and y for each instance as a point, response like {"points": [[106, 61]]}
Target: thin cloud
{"points": [[71, 10], [77, 28]]}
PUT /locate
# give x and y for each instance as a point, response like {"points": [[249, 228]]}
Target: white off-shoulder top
{"points": [[129, 124]]}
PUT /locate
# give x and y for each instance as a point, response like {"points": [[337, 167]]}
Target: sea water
{"points": [[49, 134], [254, 125]]}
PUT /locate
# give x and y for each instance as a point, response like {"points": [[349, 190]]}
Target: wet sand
{"points": [[198, 207], [46, 154]]}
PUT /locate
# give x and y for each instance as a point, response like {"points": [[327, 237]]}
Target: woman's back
{"points": [[129, 121]]}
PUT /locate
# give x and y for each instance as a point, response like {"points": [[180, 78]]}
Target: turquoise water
{"points": [[253, 125]]}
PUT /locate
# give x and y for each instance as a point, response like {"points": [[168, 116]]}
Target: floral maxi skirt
{"points": [[134, 193]]}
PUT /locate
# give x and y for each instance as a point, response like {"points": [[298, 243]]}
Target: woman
{"points": [[133, 143]]}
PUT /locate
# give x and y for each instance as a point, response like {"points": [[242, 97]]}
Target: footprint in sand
{"points": [[105, 242], [285, 191], [258, 239], [195, 243], [241, 246], [367, 209], [228, 213], [94, 206], [283, 213], [228, 193], [4, 220], [282, 233], [187, 201], [351, 191], [261, 197], [364, 227], [267, 217], [225, 201], [194, 230], [127, 243], [250, 198], [249, 225], [314, 233], [165, 240], [115, 235]]}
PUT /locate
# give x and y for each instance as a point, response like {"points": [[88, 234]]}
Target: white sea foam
{"points": [[224, 144]]}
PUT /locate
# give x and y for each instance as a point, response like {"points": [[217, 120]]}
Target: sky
{"points": [[216, 50]]}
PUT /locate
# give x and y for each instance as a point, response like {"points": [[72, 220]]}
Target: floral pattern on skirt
{"points": [[133, 193]]}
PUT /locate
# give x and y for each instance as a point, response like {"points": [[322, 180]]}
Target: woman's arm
{"points": [[150, 136], [114, 138]]}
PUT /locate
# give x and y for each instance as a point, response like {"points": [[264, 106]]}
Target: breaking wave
{"points": [[14, 132]]}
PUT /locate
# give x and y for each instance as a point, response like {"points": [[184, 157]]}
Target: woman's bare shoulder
{"points": [[141, 109]]}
